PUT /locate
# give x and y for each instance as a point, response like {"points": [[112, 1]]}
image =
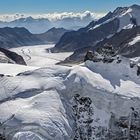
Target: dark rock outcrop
{"points": [[53, 35], [120, 43], [119, 127], [82, 38], [89, 56], [16, 37], [13, 56], [83, 112], [2, 137], [138, 70]]}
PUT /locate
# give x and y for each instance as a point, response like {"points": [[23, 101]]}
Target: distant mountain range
{"points": [[53, 35], [16, 37], [117, 28], [40, 24]]}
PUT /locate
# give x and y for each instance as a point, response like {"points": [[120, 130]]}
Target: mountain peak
{"points": [[56, 29], [122, 10], [119, 11], [135, 6]]}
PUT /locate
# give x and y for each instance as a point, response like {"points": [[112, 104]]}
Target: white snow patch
{"points": [[39, 99], [14, 69], [135, 40], [27, 135]]}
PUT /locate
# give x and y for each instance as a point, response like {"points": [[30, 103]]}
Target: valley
{"points": [[40, 55]]}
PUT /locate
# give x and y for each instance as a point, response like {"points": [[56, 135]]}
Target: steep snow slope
{"points": [[36, 104], [126, 16], [14, 69], [40, 103]]}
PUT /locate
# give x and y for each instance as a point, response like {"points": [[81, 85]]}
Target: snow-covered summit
{"points": [[130, 17], [97, 31], [126, 16]]}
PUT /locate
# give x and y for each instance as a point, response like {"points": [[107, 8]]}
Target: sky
{"points": [[49, 6]]}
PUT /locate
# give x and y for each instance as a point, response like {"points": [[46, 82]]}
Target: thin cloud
{"points": [[53, 16]]}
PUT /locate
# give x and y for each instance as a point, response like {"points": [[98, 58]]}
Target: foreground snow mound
{"points": [[120, 76], [26, 136], [32, 102], [63, 103], [14, 69]]}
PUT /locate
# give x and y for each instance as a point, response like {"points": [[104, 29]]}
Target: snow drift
{"points": [[38, 104]]}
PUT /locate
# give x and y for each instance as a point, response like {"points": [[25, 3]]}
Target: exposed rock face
{"points": [[122, 128], [120, 44], [125, 127], [13, 57], [74, 40], [89, 56], [83, 112], [138, 69], [53, 35], [16, 37], [2, 137]]}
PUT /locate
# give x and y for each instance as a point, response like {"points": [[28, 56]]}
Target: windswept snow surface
{"points": [[36, 104], [14, 69]]}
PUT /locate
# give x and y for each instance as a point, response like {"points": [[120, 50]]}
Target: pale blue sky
{"points": [[45, 6]]}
